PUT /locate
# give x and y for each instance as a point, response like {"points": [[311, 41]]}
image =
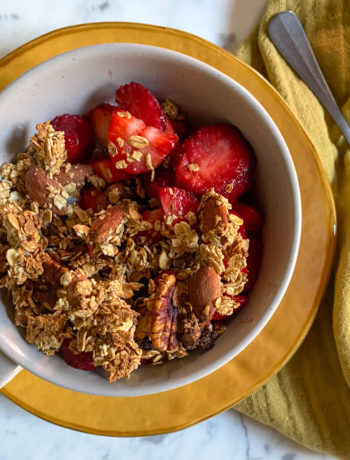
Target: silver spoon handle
{"points": [[288, 35]]}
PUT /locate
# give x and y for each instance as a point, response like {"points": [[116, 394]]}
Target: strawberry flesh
{"points": [[100, 118], [163, 178], [82, 361], [106, 169], [225, 161], [78, 134], [253, 220], [93, 198], [176, 201], [141, 103], [122, 128]]}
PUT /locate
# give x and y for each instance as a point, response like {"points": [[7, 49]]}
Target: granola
{"points": [[126, 281]]}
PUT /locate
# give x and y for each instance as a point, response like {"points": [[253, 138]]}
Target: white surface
{"points": [[229, 435], [8, 370], [87, 76]]}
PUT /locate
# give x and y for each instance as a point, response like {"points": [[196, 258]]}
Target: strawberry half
{"points": [[176, 201], [100, 117], [138, 147], [108, 172], [253, 220], [78, 134], [93, 198], [141, 103], [215, 156], [82, 361]]}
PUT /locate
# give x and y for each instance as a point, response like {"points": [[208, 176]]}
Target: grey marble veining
{"points": [[230, 435]]}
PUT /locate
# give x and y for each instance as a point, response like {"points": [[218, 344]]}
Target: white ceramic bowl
{"points": [[75, 82]]}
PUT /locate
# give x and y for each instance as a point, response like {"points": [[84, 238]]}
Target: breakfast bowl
{"points": [[77, 81]]}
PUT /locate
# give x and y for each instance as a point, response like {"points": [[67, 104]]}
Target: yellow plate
{"points": [[180, 408]]}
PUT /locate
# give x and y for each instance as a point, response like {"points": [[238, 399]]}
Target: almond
{"points": [[107, 223], [38, 187], [212, 215], [78, 174], [204, 289]]}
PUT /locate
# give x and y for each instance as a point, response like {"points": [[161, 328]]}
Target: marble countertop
{"points": [[229, 435]]}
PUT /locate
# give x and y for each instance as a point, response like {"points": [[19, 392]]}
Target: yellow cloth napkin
{"points": [[309, 400]]}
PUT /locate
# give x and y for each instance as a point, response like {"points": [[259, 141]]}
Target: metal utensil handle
{"points": [[288, 35]]}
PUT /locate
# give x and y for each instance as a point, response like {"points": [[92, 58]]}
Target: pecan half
{"points": [[204, 289], [164, 315], [44, 190]]}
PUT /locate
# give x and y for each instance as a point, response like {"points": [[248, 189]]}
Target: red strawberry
{"points": [[153, 216], [94, 199], [176, 201], [131, 136], [181, 127], [224, 158], [141, 103], [241, 299], [253, 260], [253, 220], [106, 169], [100, 118], [78, 134], [163, 178], [81, 361]]}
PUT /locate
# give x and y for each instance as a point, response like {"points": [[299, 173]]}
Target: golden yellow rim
{"points": [[154, 414]]}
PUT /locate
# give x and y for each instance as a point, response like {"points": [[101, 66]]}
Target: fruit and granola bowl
{"points": [[149, 227]]}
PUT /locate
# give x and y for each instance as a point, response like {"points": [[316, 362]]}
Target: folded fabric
{"points": [[309, 399]]}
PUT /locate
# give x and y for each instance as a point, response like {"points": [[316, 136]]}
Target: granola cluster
{"points": [[126, 290]]}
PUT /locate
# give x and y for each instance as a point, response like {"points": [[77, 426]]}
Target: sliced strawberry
{"points": [[78, 134], [176, 201], [83, 360], [241, 299], [141, 103], [253, 260], [100, 117], [181, 128], [163, 178], [152, 216], [128, 134], [215, 156], [93, 198], [253, 220], [106, 169]]}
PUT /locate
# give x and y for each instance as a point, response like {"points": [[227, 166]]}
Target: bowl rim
{"points": [[20, 358]]}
